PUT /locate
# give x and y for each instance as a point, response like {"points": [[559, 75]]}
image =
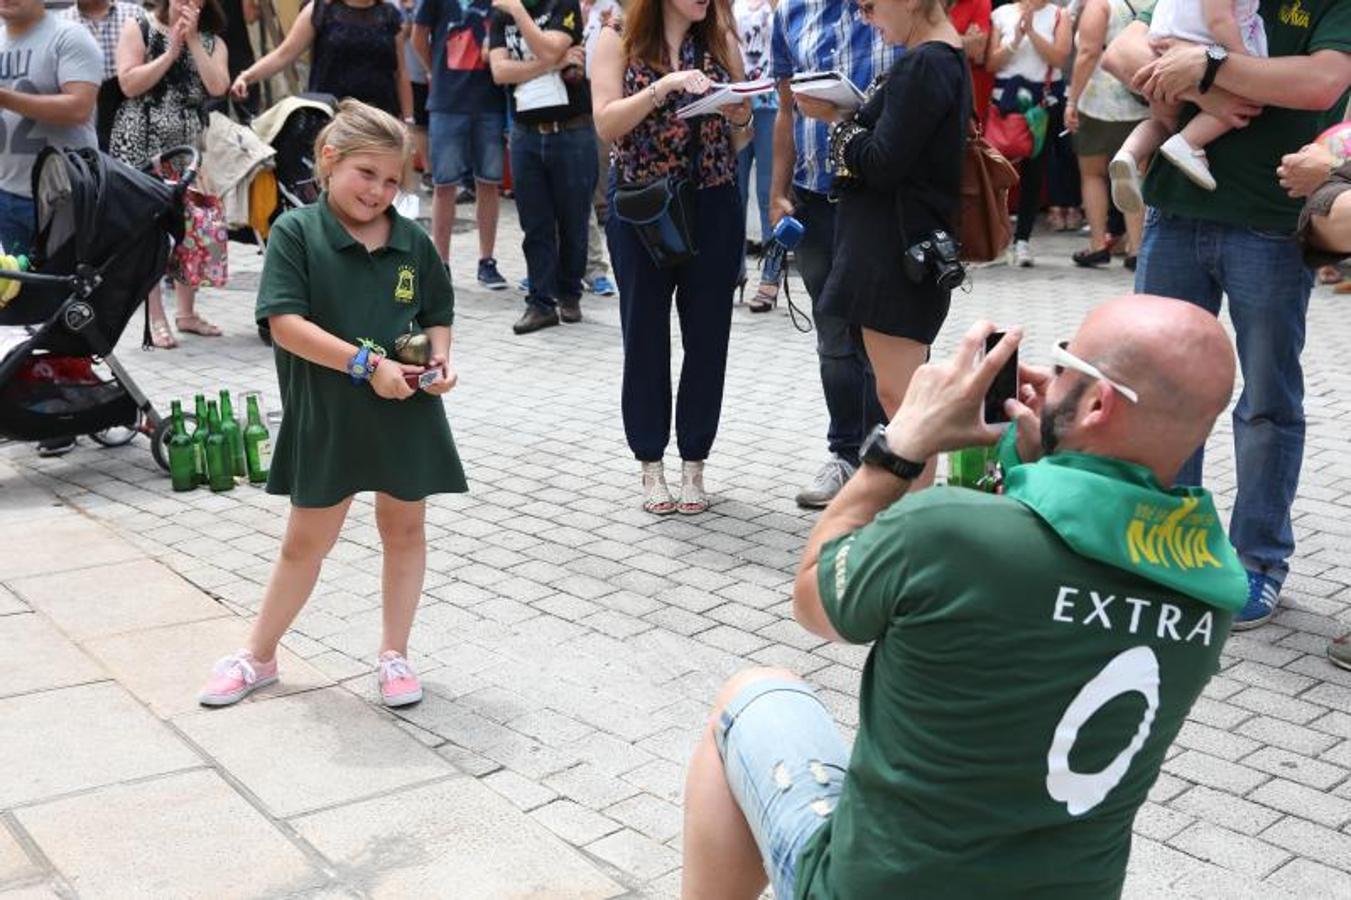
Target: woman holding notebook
{"points": [[898, 167], [669, 54]]}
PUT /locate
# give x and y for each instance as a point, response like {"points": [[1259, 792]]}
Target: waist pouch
{"points": [[663, 214]]}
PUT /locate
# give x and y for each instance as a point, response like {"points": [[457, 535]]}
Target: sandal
{"points": [[195, 324], [693, 500], [160, 335], [1090, 259], [1329, 275], [766, 297], [657, 498]]}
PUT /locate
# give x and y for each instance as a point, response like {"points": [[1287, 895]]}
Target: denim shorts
{"points": [[465, 143], [785, 761]]}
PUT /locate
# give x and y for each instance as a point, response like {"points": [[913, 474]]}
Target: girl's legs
{"points": [[310, 535], [1093, 178], [894, 361], [160, 335], [404, 540], [186, 318], [1202, 130], [1150, 134], [1033, 173]]}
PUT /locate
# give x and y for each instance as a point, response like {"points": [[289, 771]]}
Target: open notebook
{"points": [[723, 94], [832, 87]]}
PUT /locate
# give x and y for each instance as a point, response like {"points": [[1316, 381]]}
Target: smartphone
{"points": [[1005, 384]]}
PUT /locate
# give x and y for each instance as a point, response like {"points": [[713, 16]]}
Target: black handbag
{"points": [[663, 211]]}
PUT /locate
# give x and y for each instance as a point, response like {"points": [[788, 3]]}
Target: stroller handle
{"points": [[184, 176]]}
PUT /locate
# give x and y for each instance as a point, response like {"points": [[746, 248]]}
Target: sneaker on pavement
{"points": [[827, 483], [524, 285], [235, 677], [602, 286], [399, 685], [56, 446], [1339, 651], [1020, 255], [534, 318], [570, 311], [1264, 595], [489, 277]]}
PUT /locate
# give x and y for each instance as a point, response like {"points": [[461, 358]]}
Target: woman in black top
{"points": [[899, 158], [357, 52]]}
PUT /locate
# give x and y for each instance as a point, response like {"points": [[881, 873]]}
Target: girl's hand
{"points": [[387, 380], [738, 113], [691, 81], [449, 377], [240, 89]]}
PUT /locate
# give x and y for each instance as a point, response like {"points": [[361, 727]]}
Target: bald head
{"points": [[1180, 361]]}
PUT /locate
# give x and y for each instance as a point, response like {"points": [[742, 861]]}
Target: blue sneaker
{"points": [[489, 277], [1264, 595], [602, 286]]}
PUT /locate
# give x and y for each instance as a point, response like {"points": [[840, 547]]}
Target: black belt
{"points": [[576, 122]]}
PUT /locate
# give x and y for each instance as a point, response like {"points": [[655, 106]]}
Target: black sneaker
{"points": [[534, 318], [570, 311], [489, 277], [56, 446]]}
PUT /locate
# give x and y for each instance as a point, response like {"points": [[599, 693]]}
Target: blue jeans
{"points": [[759, 151], [1268, 287], [464, 144], [17, 221], [555, 177], [846, 377], [785, 762]]}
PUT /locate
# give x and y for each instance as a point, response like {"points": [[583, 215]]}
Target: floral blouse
{"points": [[657, 146]]}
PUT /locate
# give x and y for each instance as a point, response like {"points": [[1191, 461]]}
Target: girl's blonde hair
{"points": [[360, 128]]}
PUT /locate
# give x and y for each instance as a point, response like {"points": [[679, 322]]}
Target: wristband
{"points": [[358, 367], [652, 92]]}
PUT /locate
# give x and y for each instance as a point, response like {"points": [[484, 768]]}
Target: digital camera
{"points": [[936, 257]]}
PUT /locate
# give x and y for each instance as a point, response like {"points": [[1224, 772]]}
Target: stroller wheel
{"points": [[117, 436], [159, 441]]}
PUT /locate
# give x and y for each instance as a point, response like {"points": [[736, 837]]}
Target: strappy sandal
{"points": [[657, 498], [766, 297], [160, 335], [693, 500], [195, 324]]}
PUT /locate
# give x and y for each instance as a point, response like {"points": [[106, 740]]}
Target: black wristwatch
{"points": [[1215, 57], [876, 452]]}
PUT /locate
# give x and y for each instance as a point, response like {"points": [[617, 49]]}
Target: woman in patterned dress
{"points": [[168, 64]]}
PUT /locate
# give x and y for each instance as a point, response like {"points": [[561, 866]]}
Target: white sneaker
{"points": [[1020, 255], [1191, 161], [1125, 174], [827, 483]]}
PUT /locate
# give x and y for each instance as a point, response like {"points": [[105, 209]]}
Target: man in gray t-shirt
{"points": [[50, 71]]}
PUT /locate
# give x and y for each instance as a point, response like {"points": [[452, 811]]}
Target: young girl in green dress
{"points": [[343, 279]]}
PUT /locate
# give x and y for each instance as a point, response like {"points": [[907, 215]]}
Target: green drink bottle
{"points": [[182, 453], [219, 467], [257, 444], [199, 440], [974, 467], [233, 434]]}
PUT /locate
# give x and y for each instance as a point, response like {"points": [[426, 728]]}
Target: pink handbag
{"points": [[202, 259]]}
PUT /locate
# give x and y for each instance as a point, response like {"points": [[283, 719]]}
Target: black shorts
{"points": [[420, 114]]}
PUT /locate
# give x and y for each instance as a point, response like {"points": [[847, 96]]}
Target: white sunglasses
{"points": [[1064, 359]]}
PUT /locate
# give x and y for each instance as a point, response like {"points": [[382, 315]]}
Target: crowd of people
{"points": [[1185, 130]]}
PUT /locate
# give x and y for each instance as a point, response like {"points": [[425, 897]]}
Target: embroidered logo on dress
{"points": [[404, 290], [1295, 14]]}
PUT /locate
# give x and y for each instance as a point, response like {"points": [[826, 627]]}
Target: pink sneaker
{"points": [[399, 685], [235, 677]]}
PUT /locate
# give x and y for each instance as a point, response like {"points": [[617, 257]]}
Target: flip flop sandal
{"points": [[160, 335], [197, 325]]}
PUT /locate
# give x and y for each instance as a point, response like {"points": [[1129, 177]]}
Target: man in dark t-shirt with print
{"points": [[1239, 241], [536, 51], [1034, 654], [466, 121]]}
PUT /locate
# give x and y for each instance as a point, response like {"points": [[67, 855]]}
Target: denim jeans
{"points": [[759, 151], [554, 176], [17, 221], [1268, 287], [846, 377]]}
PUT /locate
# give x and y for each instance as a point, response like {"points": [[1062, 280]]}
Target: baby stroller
{"points": [[104, 234]]}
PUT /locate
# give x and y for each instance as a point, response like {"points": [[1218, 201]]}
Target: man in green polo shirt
{"points": [[1033, 654], [1239, 240]]}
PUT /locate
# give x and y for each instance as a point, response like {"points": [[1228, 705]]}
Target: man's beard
{"points": [[1056, 419]]}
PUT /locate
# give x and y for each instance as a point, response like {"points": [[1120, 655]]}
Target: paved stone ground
{"points": [[570, 643]]}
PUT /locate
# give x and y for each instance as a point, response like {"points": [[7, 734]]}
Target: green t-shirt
{"points": [[1244, 161], [336, 437], [992, 638]]}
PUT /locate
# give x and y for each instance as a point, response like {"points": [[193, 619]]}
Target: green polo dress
{"points": [[338, 438]]}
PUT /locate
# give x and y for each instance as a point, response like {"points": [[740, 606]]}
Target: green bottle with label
{"points": [[219, 467], [182, 452], [233, 434], [199, 433], [257, 444]]}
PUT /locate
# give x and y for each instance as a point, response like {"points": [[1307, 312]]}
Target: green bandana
{"points": [[1116, 512]]}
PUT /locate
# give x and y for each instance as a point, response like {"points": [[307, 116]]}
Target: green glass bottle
{"points": [[182, 452], [257, 444], [975, 468], [234, 434], [220, 471], [199, 439]]}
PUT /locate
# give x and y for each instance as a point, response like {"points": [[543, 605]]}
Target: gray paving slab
{"points": [[35, 656]]}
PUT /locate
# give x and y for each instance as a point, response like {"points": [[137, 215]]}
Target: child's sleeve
{"points": [[284, 285], [436, 306]]}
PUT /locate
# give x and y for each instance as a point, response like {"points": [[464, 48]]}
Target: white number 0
{"points": [[1136, 670]]}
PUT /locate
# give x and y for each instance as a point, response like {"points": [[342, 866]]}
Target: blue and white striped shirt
{"points": [[820, 36]]}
